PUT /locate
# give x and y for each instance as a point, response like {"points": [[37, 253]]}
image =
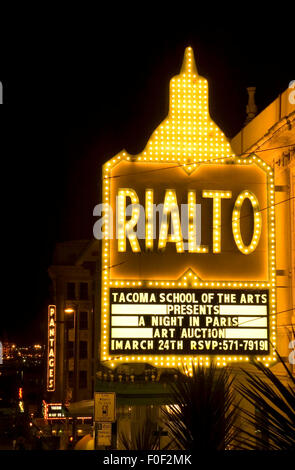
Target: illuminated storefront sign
{"points": [[54, 411], [51, 348], [57, 411], [181, 285]]}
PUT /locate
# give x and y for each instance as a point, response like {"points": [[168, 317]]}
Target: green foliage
{"points": [[275, 423], [203, 413], [143, 437]]}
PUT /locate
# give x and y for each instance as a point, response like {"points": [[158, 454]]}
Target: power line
{"points": [[276, 313], [195, 163], [249, 215], [260, 210], [114, 265]]}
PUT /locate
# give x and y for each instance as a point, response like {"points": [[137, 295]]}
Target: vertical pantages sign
{"points": [[177, 288], [51, 348]]}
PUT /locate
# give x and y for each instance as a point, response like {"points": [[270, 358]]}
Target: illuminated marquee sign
{"points": [[51, 348], [54, 411], [189, 272], [193, 321]]}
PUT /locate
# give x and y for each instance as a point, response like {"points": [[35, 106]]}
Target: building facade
{"points": [[271, 135], [75, 278]]}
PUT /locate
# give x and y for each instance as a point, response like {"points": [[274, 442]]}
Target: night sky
{"points": [[76, 94]]}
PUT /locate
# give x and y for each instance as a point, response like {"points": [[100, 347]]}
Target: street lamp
{"points": [[68, 311], [73, 310]]}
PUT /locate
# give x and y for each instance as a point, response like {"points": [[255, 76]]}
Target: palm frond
{"points": [[203, 412], [143, 437], [276, 402]]}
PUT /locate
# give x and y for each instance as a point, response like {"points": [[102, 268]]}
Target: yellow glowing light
{"points": [[149, 225], [126, 228], [192, 226], [188, 116], [236, 216], [69, 310], [187, 137], [217, 196], [171, 207]]}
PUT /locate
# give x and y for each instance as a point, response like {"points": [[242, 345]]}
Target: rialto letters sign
{"points": [[188, 248]]}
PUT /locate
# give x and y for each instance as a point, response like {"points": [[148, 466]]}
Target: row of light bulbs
{"points": [[171, 206], [188, 361], [186, 162]]}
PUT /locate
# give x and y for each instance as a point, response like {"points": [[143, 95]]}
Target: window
{"points": [[71, 291], [83, 379], [83, 290], [70, 320], [83, 320], [83, 350], [71, 379], [70, 349]]}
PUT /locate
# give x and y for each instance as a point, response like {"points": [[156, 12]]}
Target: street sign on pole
{"points": [[104, 434], [105, 407]]}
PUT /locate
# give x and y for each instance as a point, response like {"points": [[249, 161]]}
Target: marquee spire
{"points": [[189, 64], [188, 135]]}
